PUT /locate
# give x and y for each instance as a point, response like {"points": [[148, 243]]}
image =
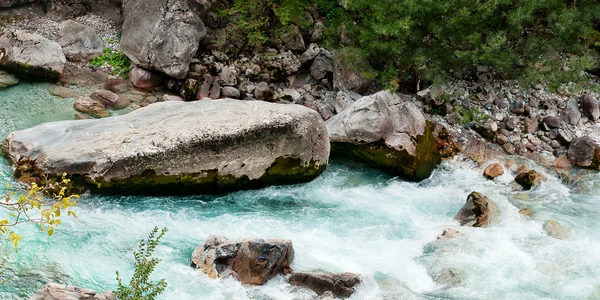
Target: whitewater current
{"points": [[350, 219]]}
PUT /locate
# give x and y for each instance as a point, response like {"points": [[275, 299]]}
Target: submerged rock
{"points": [[110, 99], [91, 107], [178, 148], [530, 179], [54, 291], [341, 285], [555, 230], [161, 35], [477, 212], [449, 233], [31, 56], [493, 170], [387, 132], [7, 80], [249, 261]]}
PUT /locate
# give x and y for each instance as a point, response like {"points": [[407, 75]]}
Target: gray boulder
{"points": [[348, 76], [59, 10], [78, 41], [320, 67], [590, 107], [571, 114], [249, 261], [31, 56], [387, 132], [54, 291], [178, 148], [161, 34], [341, 285]]}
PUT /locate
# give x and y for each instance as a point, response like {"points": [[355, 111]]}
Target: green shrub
{"points": [[118, 62], [140, 288]]}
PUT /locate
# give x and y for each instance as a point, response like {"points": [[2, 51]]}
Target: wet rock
{"points": [[61, 91], [341, 285], [144, 80], [31, 56], [584, 152], [562, 163], [477, 212], [388, 132], [249, 261], [230, 92], [448, 277], [110, 99], [509, 148], [530, 179], [493, 170], [450, 233], [526, 212], [555, 230], [54, 291], [116, 84], [321, 67], [7, 80], [170, 156], [90, 106], [571, 114], [589, 107], [161, 35], [552, 122], [79, 42]]}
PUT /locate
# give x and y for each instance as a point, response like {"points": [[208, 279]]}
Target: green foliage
{"points": [[34, 207], [118, 62], [471, 115], [140, 288]]}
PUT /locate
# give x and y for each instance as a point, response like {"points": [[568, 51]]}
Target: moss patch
{"points": [[399, 163], [285, 170]]}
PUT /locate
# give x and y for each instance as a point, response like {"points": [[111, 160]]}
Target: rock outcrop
{"points": [[161, 35], [79, 42], [178, 148], [249, 261], [387, 132], [54, 291], [477, 212], [31, 56], [341, 285]]}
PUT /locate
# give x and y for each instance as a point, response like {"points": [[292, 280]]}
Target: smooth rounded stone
{"points": [[54, 291], [161, 35], [231, 92], [584, 152], [91, 107], [493, 170], [79, 42], [477, 212], [167, 97], [517, 107], [143, 79], [110, 99], [215, 91], [502, 139], [178, 148], [562, 163], [262, 91], [341, 285], [509, 148], [530, 179], [450, 233], [227, 77], [61, 91], [7, 80], [31, 56], [552, 122], [526, 212], [555, 230], [249, 261], [321, 67], [571, 113], [388, 132], [116, 84], [589, 107]]}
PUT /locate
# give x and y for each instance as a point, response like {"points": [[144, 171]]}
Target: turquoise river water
{"points": [[351, 218]]}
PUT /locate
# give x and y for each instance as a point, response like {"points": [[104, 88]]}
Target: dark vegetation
{"points": [[412, 42]]}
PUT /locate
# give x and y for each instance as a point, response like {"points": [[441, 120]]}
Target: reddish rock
{"points": [[92, 107], [530, 179], [493, 170], [144, 80], [477, 212]]}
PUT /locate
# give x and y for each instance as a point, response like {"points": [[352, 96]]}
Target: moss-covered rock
{"points": [[386, 131]]}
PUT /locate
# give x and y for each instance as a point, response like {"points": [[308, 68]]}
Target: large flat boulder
{"points": [[178, 148], [31, 56], [388, 132], [251, 261], [54, 291], [161, 35]]}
